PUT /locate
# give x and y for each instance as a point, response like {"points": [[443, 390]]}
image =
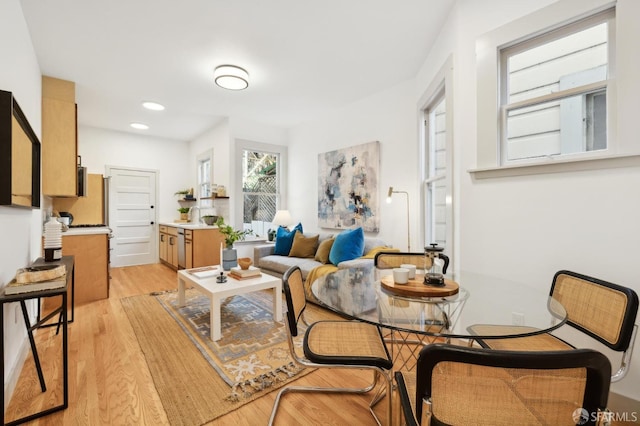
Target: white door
{"points": [[132, 217]]}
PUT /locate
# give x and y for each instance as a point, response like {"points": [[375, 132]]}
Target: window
{"points": [[437, 160], [205, 174], [435, 183], [554, 91], [259, 189]]}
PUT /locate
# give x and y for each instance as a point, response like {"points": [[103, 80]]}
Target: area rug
{"points": [[199, 380]]}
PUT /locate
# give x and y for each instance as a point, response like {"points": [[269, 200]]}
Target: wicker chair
{"points": [[390, 260], [602, 310], [335, 344], [456, 385]]}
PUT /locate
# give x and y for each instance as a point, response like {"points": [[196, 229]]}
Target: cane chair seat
{"points": [[454, 385], [602, 310], [334, 344]]}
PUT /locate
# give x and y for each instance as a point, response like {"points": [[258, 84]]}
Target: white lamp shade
{"points": [[282, 218]]}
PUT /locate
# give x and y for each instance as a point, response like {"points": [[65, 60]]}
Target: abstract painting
{"points": [[348, 187]]}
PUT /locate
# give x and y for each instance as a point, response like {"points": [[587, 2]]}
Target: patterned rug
{"points": [[252, 354]]}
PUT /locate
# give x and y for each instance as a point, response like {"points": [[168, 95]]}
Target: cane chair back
{"points": [[454, 385], [390, 260], [334, 344], [604, 311]]}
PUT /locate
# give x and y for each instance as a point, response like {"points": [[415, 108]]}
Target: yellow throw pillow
{"points": [[322, 254], [303, 246]]}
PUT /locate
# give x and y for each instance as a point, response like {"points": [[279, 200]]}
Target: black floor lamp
{"points": [[391, 192]]}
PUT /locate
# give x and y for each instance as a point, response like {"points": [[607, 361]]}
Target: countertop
{"points": [[188, 225], [87, 231]]}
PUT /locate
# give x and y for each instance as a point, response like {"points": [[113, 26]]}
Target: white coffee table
{"points": [[218, 292]]}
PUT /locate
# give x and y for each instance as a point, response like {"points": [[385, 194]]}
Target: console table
{"points": [[68, 261]]}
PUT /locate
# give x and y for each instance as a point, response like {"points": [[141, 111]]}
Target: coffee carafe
{"points": [[435, 277]]}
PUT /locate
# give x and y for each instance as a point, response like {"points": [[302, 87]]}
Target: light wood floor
{"points": [[109, 382]]}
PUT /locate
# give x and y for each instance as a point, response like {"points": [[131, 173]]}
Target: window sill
{"points": [[557, 166]]}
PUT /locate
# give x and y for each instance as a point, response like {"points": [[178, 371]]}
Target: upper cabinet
{"points": [[59, 138]]}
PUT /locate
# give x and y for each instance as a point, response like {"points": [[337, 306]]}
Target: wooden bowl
{"points": [[244, 262]]}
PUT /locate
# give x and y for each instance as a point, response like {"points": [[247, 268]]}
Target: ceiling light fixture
{"points": [[139, 126], [153, 106], [231, 77]]}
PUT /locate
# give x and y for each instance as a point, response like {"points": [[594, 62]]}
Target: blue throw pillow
{"points": [[284, 240], [348, 245]]}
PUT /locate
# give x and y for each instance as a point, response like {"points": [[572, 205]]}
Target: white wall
{"points": [[389, 117], [21, 229], [100, 147], [529, 227]]}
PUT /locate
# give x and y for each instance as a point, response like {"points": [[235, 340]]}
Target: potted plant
{"points": [[184, 213], [229, 254]]}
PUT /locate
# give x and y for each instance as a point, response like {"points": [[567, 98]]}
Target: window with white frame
{"points": [[435, 182], [437, 160], [553, 91], [205, 174]]}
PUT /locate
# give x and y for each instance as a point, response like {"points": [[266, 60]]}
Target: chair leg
{"points": [[312, 389]]}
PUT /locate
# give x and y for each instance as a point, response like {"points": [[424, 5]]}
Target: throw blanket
{"points": [[321, 270]]}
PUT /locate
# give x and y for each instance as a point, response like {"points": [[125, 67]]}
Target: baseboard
{"points": [[12, 380], [625, 408]]}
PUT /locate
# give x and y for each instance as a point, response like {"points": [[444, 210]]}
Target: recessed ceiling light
{"points": [[231, 77], [154, 106], [139, 126]]}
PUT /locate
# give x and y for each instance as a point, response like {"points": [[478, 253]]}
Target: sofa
{"points": [[265, 258]]}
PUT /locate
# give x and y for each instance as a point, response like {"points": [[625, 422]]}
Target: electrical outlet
{"points": [[517, 318]]}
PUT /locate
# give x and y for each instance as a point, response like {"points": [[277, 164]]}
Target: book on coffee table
{"points": [[239, 273]]}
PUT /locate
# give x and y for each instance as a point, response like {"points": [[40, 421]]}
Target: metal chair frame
{"points": [[595, 395], [378, 371], [626, 333]]}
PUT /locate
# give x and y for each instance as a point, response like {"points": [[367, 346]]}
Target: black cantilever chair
{"points": [[335, 344], [456, 385], [602, 310]]}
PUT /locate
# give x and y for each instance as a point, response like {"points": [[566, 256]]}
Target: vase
{"points": [[229, 258]]}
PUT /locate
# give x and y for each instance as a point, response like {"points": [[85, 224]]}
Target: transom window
{"points": [[554, 91]]}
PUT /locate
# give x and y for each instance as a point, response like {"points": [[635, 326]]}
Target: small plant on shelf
{"points": [[184, 213], [231, 235]]}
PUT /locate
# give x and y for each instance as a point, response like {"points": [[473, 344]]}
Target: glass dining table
{"points": [[478, 305]]}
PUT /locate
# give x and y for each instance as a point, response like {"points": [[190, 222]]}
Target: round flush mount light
{"points": [[231, 77], [153, 106], [139, 126]]}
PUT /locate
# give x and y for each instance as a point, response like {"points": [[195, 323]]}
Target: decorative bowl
{"points": [[244, 262], [210, 220]]}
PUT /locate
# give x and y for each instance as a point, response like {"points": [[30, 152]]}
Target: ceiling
{"points": [[303, 57]]}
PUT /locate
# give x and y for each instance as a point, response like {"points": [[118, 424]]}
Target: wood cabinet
{"points": [[59, 138], [201, 246], [169, 246], [205, 247]]}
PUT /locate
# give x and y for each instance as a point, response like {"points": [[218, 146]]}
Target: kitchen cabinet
{"points": [[91, 258], [204, 247], [169, 246], [59, 138]]}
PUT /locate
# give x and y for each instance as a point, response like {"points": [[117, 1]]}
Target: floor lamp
{"points": [[391, 192]]}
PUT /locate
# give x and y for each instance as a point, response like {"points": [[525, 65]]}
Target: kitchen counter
{"points": [[188, 225], [87, 231]]}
